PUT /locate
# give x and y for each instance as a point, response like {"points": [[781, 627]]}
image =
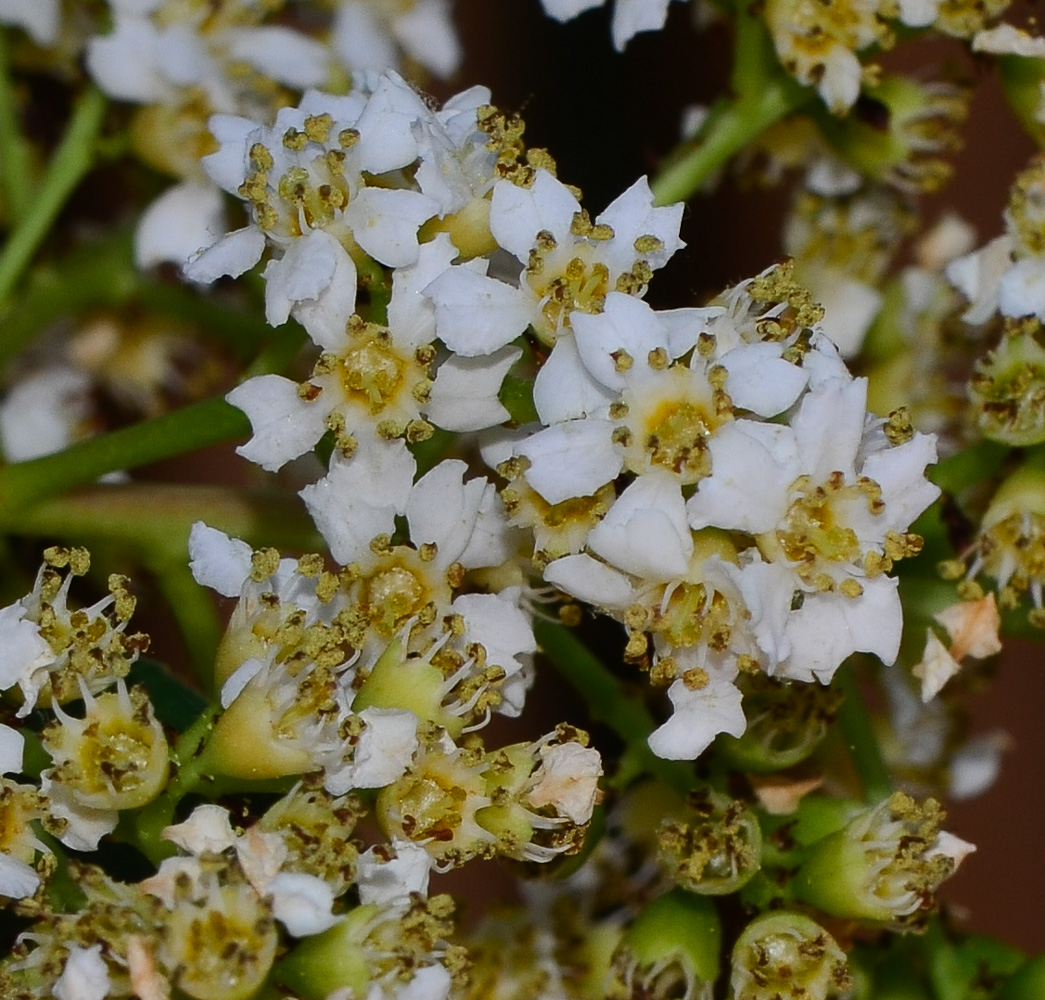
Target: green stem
{"points": [[726, 133], [764, 93], [195, 614], [190, 761], [155, 518], [16, 174], [199, 425], [858, 733], [609, 703], [69, 164]]}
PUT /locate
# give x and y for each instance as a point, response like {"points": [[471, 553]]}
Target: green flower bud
{"points": [[1010, 547], [333, 960], [718, 851], [413, 683], [784, 954], [1007, 389], [883, 866], [897, 131], [671, 950], [786, 723], [436, 802]]}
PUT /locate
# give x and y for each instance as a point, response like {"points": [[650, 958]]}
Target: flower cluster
{"points": [[483, 449]]}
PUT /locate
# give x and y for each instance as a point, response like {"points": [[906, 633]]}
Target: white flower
{"points": [[165, 53], [374, 383], [368, 35], [566, 263], [1007, 39], [306, 180], [819, 44], [629, 16], [829, 499]]}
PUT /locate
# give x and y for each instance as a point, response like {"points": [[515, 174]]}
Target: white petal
{"points": [[760, 380], [360, 40], [186, 218], [632, 16], [411, 316], [752, 467], [25, 653], [387, 140], [360, 498], [385, 881], [1006, 39], [518, 214], [426, 32], [978, 275], [572, 459], [850, 306], [900, 471], [40, 18], [84, 827], [1022, 289], [564, 10], [626, 324], [384, 223], [633, 214], [430, 982], [218, 561], [384, 751], [285, 425], [830, 627], [41, 411], [443, 509], [282, 54], [568, 780], [85, 976], [829, 428], [463, 396], [475, 314], [233, 254], [228, 167], [325, 317], [12, 745], [206, 831], [698, 718], [125, 64], [303, 273], [302, 903], [17, 879], [565, 389], [589, 580], [645, 532], [498, 623]]}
